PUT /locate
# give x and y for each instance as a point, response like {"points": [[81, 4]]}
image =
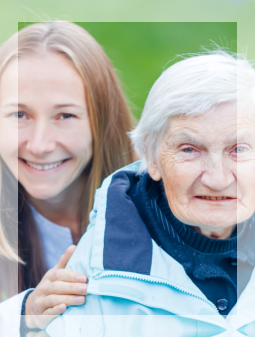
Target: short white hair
{"points": [[191, 87]]}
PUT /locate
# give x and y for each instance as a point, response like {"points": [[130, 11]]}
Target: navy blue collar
{"points": [[127, 242], [131, 223]]}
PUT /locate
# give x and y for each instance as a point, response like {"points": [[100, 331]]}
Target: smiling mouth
{"points": [[44, 167], [214, 198]]}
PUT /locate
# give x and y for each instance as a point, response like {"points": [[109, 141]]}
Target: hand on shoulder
{"points": [[58, 289]]}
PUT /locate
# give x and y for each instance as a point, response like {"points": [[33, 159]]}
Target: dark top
{"points": [[211, 264]]}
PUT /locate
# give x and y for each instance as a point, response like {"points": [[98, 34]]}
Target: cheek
{"points": [[9, 145], [87, 148], [246, 181], [178, 175], [82, 143], [23, 137], [180, 179]]}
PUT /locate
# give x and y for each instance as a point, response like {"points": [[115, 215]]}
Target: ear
{"points": [[154, 172]]}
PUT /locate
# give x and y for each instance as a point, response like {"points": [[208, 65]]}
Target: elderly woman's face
{"points": [[207, 165]]}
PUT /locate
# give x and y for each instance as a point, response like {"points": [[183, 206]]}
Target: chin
{"points": [[217, 221], [214, 219], [42, 193]]}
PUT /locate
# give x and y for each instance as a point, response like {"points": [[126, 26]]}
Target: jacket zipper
{"points": [[108, 274]]}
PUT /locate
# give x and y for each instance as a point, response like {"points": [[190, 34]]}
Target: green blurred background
{"points": [[140, 51]]}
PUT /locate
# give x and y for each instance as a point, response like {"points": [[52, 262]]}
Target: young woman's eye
{"points": [[188, 150], [19, 115], [66, 116]]}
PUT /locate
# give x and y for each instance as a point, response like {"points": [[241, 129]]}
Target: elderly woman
{"points": [[164, 229]]}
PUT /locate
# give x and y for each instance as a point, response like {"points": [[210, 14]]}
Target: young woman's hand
{"points": [[41, 333], [58, 289]]}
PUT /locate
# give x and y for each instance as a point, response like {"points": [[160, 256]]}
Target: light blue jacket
{"points": [[124, 301]]}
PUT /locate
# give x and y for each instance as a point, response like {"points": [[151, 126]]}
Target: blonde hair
{"points": [[9, 258], [6, 250], [110, 117]]}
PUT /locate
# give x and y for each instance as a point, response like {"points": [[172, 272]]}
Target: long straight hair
{"points": [[110, 119], [9, 258]]}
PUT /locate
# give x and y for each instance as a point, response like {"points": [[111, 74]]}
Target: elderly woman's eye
{"points": [[188, 150], [239, 149]]}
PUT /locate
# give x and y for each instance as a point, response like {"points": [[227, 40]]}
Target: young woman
{"points": [[64, 124]]}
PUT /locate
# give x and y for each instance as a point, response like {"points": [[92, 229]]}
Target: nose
{"points": [[41, 139], [218, 174]]}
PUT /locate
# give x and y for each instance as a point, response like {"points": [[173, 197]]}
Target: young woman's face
{"points": [[45, 133]]}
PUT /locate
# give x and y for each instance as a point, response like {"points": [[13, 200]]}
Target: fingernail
{"points": [[83, 289], [81, 278], [79, 299]]}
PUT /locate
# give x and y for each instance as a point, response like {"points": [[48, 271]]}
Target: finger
{"points": [[52, 301], [31, 334], [66, 275], [67, 288], [41, 321], [42, 334], [57, 310], [65, 257], [37, 334]]}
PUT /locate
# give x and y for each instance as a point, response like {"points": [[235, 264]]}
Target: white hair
{"points": [[191, 87]]}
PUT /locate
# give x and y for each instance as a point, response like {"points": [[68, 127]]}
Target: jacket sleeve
{"points": [[10, 314]]}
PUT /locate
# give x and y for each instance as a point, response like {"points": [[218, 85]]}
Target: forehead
{"points": [[50, 77], [222, 124], [50, 66]]}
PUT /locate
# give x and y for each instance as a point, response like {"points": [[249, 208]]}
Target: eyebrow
{"points": [[58, 106], [66, 105], [242, 137], [15, 104], [183, 138]]}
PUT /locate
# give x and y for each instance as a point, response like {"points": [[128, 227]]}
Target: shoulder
{"points": [[134, 168], [80, 260], [10, 311], [116, 179], [93, 239]]}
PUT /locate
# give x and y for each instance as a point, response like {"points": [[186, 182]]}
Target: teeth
{"points": [[214, 198], [44, 167]]}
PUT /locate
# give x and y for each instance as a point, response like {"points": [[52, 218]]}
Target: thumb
{"points": [[65, 257]]}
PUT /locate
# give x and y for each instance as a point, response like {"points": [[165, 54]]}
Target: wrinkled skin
{"points": [[209, 155]]}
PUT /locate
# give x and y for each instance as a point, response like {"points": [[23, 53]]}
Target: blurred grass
{"points": [[140, 51]]}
